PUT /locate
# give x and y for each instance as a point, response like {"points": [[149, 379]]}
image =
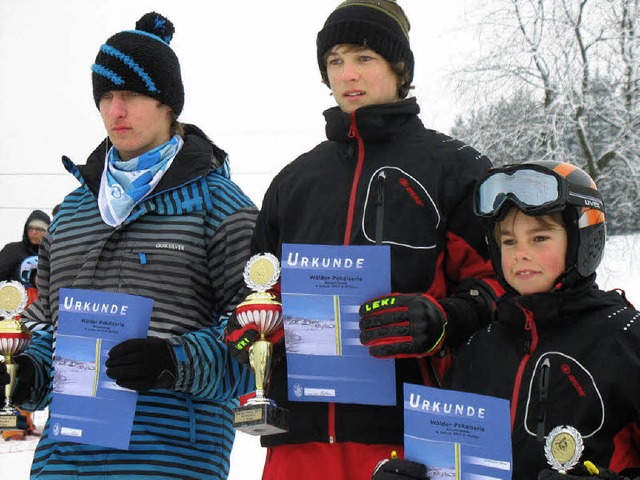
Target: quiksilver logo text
{"points": [[170, 246]]}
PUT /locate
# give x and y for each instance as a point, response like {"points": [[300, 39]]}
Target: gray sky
{"points": [[249, 69]]}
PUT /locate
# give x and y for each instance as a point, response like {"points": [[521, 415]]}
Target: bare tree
{"points": [[575, 64]]}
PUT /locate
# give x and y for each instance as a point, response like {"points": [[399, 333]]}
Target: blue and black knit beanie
{"points": [[141, 61], [379, 24]]}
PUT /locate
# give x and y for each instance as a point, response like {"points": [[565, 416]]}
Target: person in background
{"points": [[563, 351], [12, 255], [155, 215], [381, 177]]}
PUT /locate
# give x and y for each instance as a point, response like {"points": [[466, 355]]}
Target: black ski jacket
{"points": [[380, 178], [584, 342]]}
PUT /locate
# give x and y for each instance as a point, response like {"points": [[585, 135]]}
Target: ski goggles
{"points": [[534, 189]]}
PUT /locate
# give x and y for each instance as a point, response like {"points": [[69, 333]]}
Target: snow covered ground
{"points": [[620, 269]]}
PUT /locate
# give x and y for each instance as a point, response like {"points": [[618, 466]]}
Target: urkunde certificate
{"points": [[457, 434], [323, 287], [86, 405]]}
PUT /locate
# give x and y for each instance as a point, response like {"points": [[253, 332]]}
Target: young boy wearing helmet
{"points": [[564, 352]]}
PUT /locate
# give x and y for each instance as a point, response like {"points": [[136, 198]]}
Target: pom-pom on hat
{"points": [[141, 61], [379, 24]]}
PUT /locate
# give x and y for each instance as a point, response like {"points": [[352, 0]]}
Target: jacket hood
{"points": [[35, 215]]}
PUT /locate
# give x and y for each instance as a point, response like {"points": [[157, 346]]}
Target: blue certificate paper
{"points": [[323, 287], [457, 435], [86, 405]]}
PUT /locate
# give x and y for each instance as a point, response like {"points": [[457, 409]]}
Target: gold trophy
{"points": [[14, 338], [260, 415]]}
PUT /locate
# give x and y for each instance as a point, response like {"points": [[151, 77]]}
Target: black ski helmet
{"points": [[540, 188]]}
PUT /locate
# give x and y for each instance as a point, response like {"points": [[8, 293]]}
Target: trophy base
{"points": [[11, 419], [261, 419]]}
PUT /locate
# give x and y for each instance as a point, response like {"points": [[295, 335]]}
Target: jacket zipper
{"points": [[353, 133], [529, 347]]}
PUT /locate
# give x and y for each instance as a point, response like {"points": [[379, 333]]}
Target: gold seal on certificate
{"points": [[14, 338], [260, 415], [563, 448]]}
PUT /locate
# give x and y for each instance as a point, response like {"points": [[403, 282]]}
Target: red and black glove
{"points": [[142, 364], [399, 469], [402, 325], [239, 338]]}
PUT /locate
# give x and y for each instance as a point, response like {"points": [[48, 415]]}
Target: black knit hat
{"points": [[141, 61], [380, 24]]}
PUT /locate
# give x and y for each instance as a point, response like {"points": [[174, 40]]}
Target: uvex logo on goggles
{"points": [[533, 189]]}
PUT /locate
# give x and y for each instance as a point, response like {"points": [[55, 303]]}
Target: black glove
{"points": [[402, 325], [398, 469], [238, 338], [26, 377], [582, 472], [142, 364]]}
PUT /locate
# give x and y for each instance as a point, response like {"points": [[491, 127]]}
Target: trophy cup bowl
{"points": [[260, 415], [14, 339], [261, 310]]}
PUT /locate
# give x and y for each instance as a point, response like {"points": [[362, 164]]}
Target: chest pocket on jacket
{"points": [[572, 396], [400, 211], [168, 262]]}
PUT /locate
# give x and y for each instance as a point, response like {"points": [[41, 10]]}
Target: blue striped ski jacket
{"points": [[185, 246]]}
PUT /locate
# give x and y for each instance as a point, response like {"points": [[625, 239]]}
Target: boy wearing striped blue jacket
{"points": [[155, 215]]}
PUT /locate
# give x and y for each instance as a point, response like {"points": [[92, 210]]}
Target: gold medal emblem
{"points": [[262, 272], [563, 448]]}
